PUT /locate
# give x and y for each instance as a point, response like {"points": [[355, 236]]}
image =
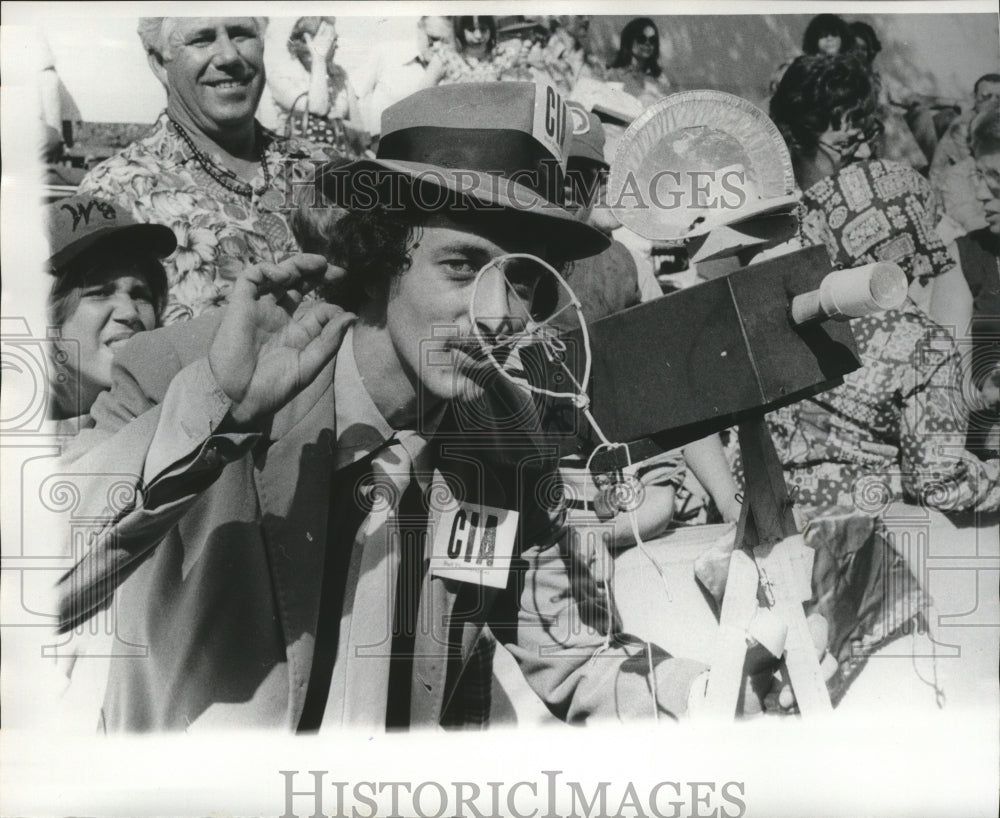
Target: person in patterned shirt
{"points": [[476, 56], [208, 169], [637, 63], [896, 427]]}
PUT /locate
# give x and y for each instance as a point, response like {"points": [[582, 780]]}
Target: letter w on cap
{"points": [[82, 212]]}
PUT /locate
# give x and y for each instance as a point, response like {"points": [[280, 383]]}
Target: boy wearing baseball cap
{"points": [[107, 285]]}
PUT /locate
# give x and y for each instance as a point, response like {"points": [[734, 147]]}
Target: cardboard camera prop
{"points": [[702, 359]]}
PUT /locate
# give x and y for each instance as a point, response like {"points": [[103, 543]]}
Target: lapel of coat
{"points": [[442, 648], [293, 477]]}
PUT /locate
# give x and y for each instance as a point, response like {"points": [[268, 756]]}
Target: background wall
{"points": [[105, 71], [939, 54]]}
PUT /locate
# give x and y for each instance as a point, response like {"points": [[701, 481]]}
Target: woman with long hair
{"points": [[827, 34], [475, 55], [637, 62]]}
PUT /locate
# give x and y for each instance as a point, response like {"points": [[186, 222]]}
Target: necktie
{"points": [[359, 684], [411, 529]]}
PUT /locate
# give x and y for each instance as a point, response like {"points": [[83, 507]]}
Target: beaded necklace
{"points": [[224, 176]]}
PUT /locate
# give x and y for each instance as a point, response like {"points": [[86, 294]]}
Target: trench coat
{"points": [[211, 557]]}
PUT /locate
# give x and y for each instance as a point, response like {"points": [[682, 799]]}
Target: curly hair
{"points": [[372, 244], [633, 28], [819, 92], [825, 24]]}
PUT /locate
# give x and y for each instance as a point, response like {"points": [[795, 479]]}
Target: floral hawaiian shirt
{"points": [[219, 232]]}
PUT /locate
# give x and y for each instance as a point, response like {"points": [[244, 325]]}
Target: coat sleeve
{"points": [[574, 669], [159, 440], [553, 615]]}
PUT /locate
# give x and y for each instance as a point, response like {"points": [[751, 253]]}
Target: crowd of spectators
{"points": [[209, 171]]}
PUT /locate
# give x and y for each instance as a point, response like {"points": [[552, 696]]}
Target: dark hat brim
{"points": [[568, 238], [155, 240]]}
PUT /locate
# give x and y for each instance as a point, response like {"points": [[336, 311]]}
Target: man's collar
{"points": [[268, 138], [360, 426]]}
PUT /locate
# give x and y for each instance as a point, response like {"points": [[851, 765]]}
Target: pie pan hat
{"points": [[697, 161], [496, 147]]}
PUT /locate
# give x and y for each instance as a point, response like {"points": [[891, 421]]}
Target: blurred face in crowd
{"points": [[213, 69], [111, 306], [829, 44], [987, 93], [644, 44], [435, 292], [579, 27], [860, 48], [434, 31], [583, 181], [988, 188], [477, 33], [602, 216]]}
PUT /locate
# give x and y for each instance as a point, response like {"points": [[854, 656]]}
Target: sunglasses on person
{"points": [[853, 142], [988, 176], [643, 39]]}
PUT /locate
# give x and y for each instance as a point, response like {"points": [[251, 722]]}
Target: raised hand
{"points": [[270, 345], [323, 43]]}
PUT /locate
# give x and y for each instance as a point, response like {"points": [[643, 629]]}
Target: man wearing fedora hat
{"points": [[328, 508]]}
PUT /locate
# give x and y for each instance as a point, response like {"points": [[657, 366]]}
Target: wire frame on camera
{"points": [[534, 304]]}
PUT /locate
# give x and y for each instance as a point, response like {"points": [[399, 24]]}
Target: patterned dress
{"points": [[504, 63], [896, 427], [219, 232]]}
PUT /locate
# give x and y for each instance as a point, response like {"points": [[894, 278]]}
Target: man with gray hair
{"points": [[208, 169]]}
